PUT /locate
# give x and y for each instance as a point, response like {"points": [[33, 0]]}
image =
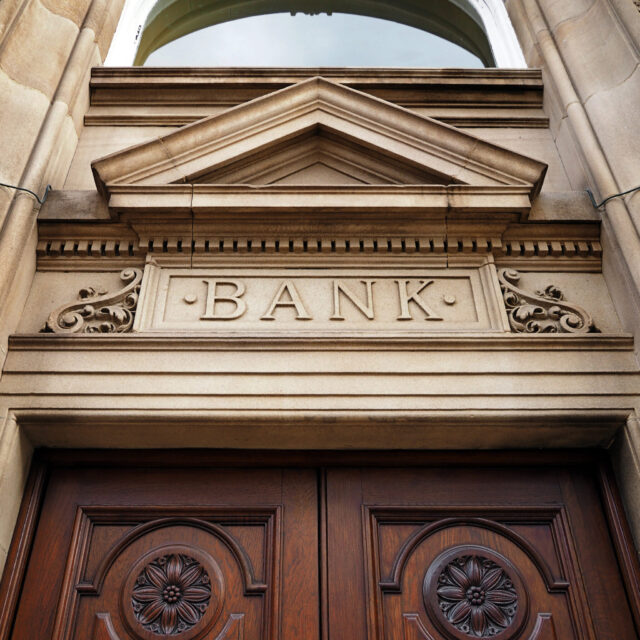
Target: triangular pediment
{"points": [[318, 133], [317, 158]]}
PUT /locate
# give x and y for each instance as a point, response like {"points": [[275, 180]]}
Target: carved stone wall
{"points": [[434, 174]]}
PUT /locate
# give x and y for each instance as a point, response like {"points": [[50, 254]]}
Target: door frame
{"points": [[46, 459]]}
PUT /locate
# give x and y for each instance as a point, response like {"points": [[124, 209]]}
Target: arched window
{"points": [[479, 27], [337, 40]]}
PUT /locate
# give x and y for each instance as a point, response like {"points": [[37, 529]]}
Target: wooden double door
{"points": [[364, 548]]}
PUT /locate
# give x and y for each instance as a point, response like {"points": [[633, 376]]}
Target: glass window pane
{"points": [[337, 40]]}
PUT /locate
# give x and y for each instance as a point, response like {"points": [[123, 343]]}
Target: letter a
{"points": [[405, 299], [213, 297], [294, 301]]}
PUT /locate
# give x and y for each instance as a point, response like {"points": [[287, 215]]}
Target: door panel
{"points": [[407, 553], [465, 553], [187, 554]]}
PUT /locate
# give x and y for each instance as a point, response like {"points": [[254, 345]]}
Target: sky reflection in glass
{"points": [[338, 40]]}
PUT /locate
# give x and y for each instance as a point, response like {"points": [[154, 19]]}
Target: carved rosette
{"points": [[171, 594], [477, 596], [542, 311], [99, 311], [473, 592], [172, 591]]}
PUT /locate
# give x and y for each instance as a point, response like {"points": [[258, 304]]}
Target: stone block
{"points": [[96, 142], [105, 29], [587, 290], [522, 28], [3, 558], [12, 307], [595, 51], [564, 205], [22, 110], [74, 10], [53, 290], [9, 10], [619, 135], [571, 160], [40, 65], [15, 458], [625, 298], [552, 105], [558, 11], [63, 153], [79, 105], [534, 143], [624, 455]]}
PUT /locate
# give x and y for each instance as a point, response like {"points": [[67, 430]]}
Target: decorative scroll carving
{"points": [[474, 592], [171, 594], [98, 311], [542, 311]]}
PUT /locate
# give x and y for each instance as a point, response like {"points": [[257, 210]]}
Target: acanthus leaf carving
{"points": [[98, 311], [543, 311]]}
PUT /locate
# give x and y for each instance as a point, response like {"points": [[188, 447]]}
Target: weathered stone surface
{"points": [[79, 103], [563, 205], [15, 453], [571, 158], [11, 309], [63, 153], [100, 141], [40, 66], [619, 136], [74, 10], [556, 11], [21, 112], [535, 143], [104, 24], [595, 50], [626, 462], [9, 11]]}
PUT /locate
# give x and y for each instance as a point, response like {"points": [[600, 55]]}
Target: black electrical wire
{"points": [[35, 195], [615, 195]]}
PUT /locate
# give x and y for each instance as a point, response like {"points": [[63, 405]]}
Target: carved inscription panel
{"points": [[321, 300]]}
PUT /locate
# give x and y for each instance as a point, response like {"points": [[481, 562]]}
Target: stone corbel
{"points": [[99, 311], [542, 311]]}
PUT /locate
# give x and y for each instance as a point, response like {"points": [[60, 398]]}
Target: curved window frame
{"points": [[137, 14]]}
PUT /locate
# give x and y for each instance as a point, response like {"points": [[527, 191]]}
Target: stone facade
{"points": [[399, 259]]}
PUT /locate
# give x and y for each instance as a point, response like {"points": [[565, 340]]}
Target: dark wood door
{"points": [[158, 553], [460, 553], [334, 551]]}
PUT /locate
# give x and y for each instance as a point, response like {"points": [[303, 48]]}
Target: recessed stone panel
{"points": [[365, 300]]}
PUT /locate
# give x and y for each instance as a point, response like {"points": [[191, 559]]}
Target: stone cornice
{"points": [[319, 238], [147, 96], [234, 340], [154, 86]]}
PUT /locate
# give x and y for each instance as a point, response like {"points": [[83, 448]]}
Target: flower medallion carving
{"points": [[473, 592], [171, 594], [175, 591], [477, 596]]}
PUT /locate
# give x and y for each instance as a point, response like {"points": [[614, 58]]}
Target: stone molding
{"points": [[527, 247], [143, 96]]}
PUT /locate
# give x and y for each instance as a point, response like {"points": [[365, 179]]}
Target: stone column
{"points": [[47, 48]]}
